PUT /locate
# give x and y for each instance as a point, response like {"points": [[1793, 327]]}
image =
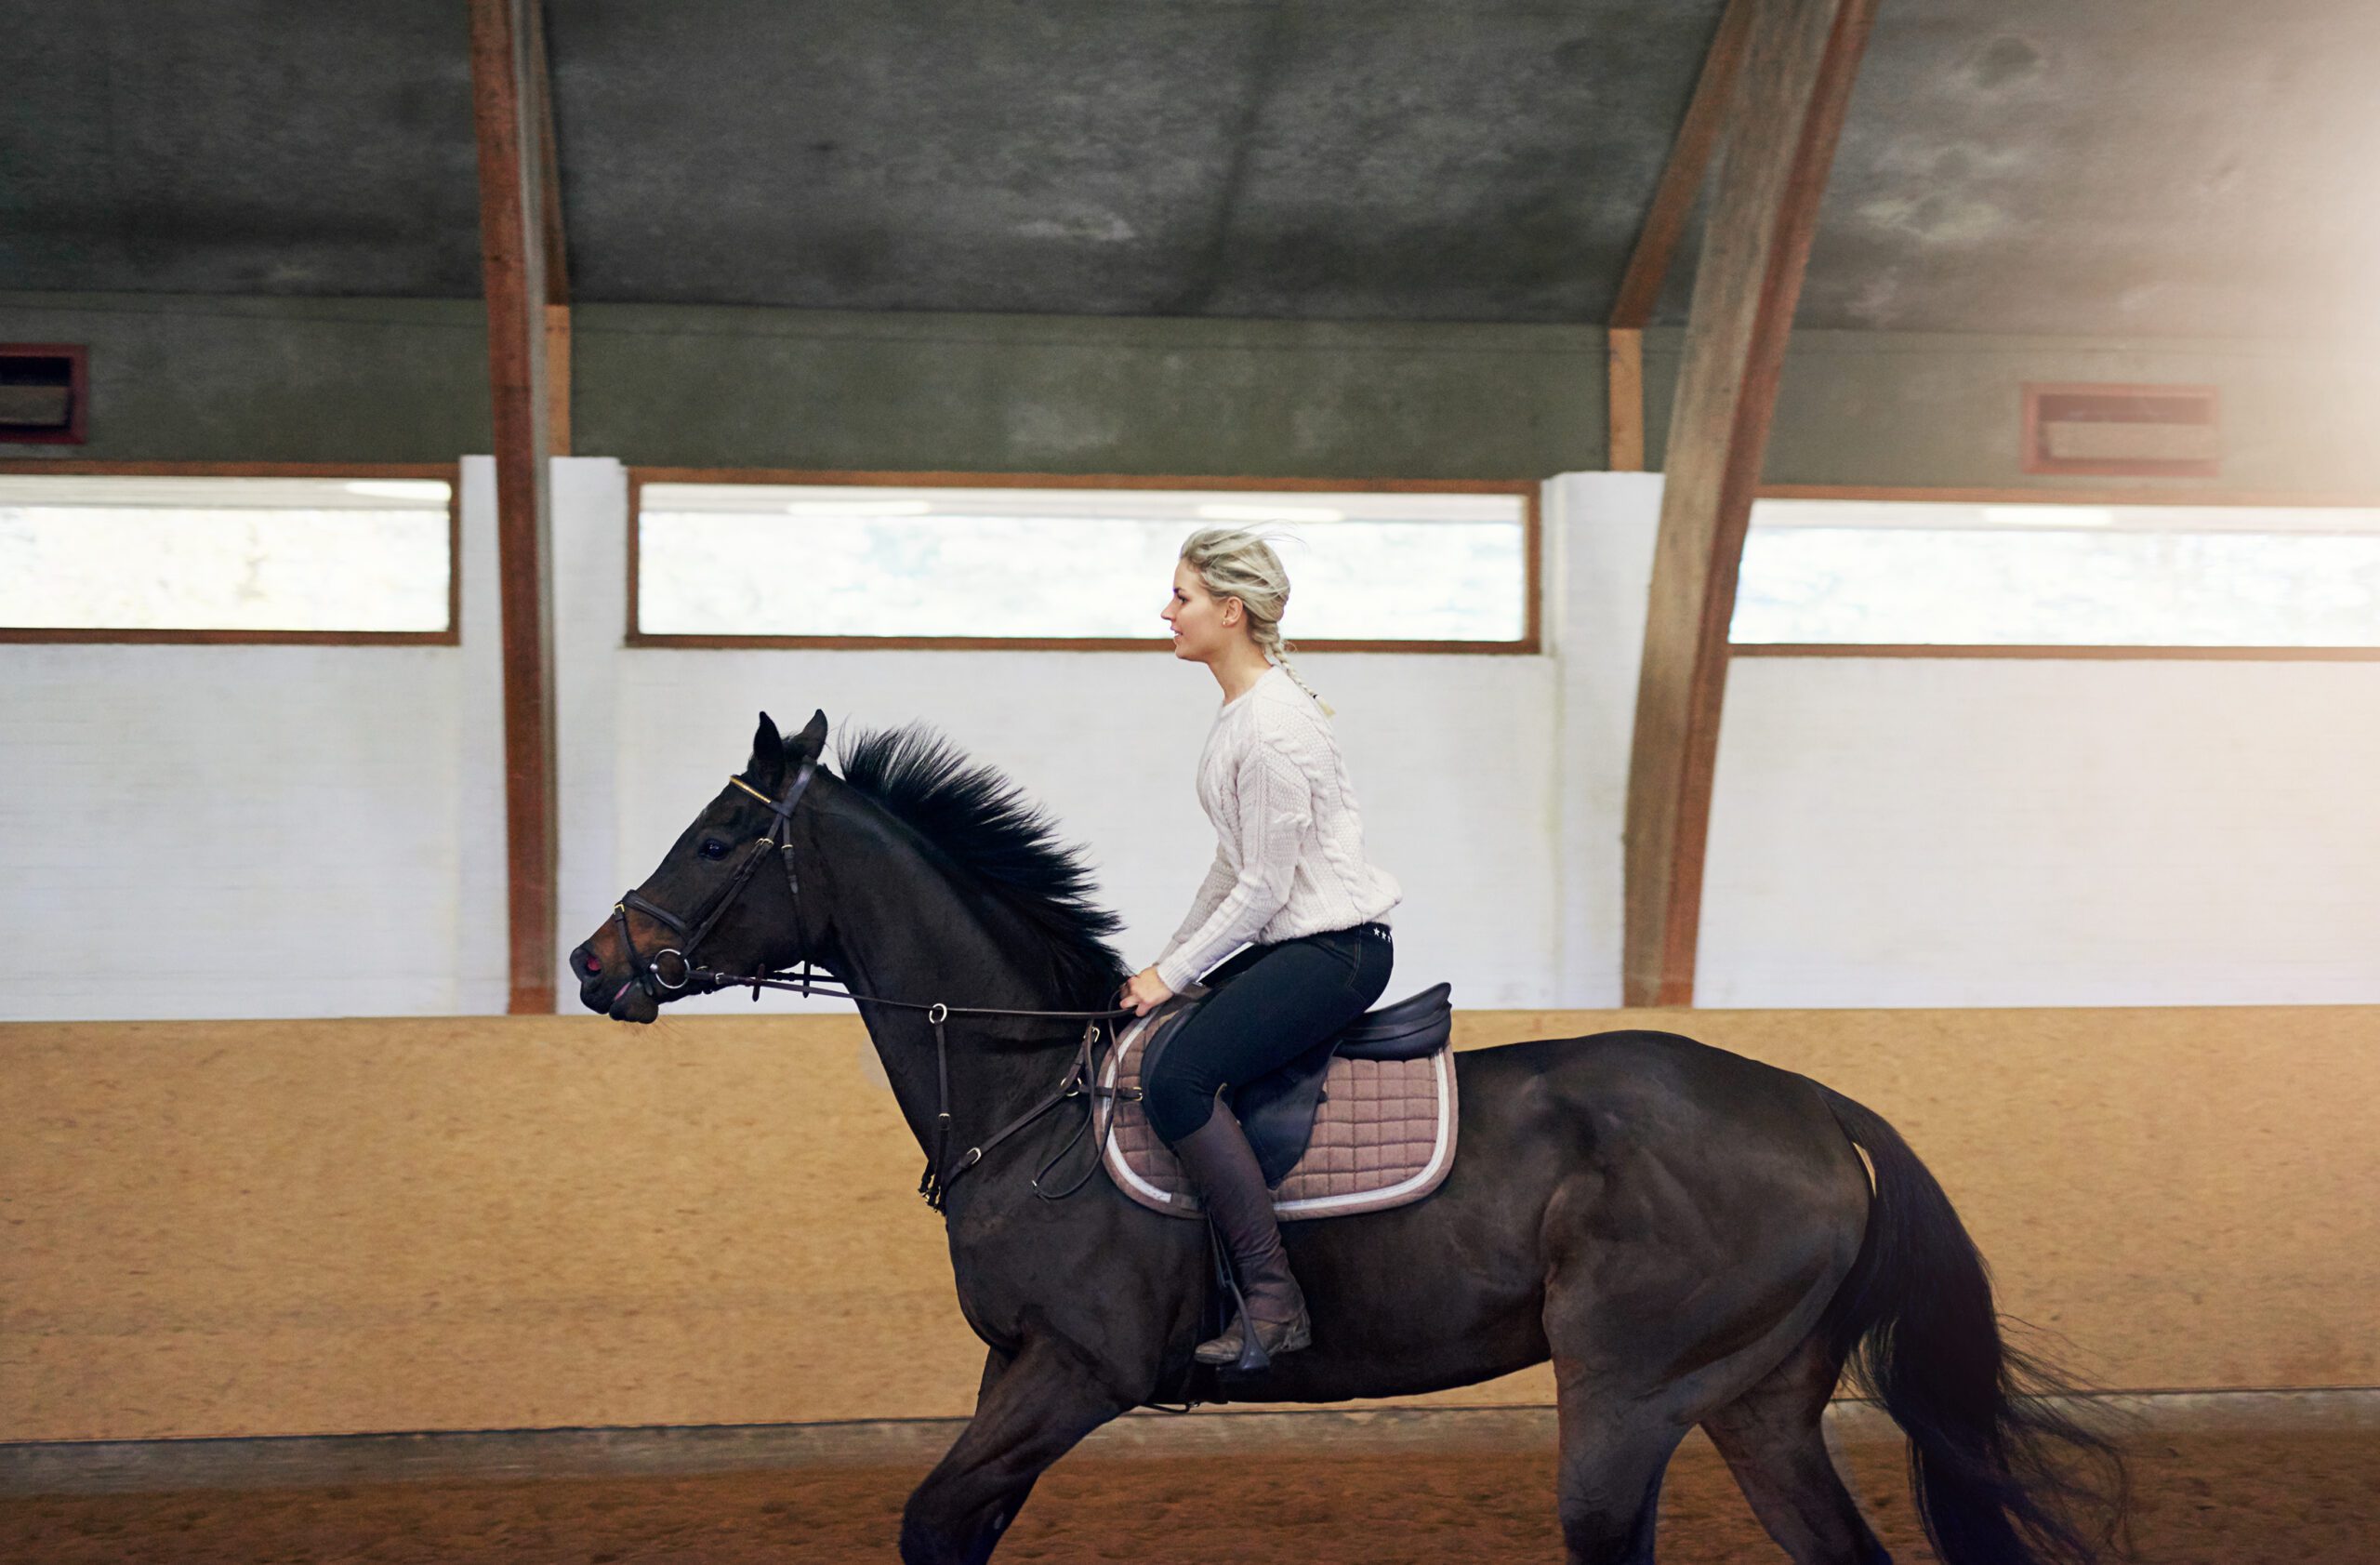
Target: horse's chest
{"points": [[1068, 1270]]}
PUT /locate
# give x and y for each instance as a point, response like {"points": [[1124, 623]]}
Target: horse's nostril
{"points": [[593, 963]]}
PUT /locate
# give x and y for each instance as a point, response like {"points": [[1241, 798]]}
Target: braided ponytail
{"points": [[1277, 651], [1238, 563]]}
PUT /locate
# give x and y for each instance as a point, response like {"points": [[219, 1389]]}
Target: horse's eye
{"points": [[714, 848]]}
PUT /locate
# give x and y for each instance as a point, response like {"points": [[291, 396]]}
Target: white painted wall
{"points": [[212, 831], [1999, 832]]}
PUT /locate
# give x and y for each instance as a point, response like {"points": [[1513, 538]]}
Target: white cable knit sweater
{"points": [[1290, 854]]}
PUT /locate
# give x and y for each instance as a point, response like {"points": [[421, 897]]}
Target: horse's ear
{"points": [[768, 755], [811, 743]]}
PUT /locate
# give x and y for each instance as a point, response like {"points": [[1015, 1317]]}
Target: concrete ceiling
{"points": [[2088, 167]]}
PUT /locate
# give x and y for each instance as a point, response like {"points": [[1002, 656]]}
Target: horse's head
{"points": [[723, 897]]}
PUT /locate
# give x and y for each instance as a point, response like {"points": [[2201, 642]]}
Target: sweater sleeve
{"points": [[1211, 894], [1276, 803]]}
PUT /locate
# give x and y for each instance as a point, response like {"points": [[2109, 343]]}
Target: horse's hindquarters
{"points": [[1632, 1195]]}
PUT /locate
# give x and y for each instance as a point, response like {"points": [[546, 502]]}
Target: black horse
{"points": [[1688, 1235]]}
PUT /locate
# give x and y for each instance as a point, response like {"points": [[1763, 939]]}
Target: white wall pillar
{"points": [[482, 984], [590, 523], [1600, 528]]}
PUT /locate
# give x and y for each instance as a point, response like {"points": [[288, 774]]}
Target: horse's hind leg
{"points": [[1615, 1447], [1773, 1441], [1031, 1411]]}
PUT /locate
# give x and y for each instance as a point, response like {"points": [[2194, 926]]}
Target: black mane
{"points": [[1007, 845]]}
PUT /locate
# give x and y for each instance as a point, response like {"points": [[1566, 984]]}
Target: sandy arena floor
{"points": [[2223, 1497]]}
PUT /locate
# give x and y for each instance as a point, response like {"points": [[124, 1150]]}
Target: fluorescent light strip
{"points": [[1271, 514], [398, 488], [859, 508]]}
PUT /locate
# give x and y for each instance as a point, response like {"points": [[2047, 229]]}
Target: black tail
{"points": [[2002, 1477]]}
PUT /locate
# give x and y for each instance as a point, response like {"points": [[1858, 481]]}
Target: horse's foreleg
{"points": [[1032, 1410], [996, 1364]]}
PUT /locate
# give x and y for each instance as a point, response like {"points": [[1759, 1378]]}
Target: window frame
{"points": [[450, 473], [2073, 651], [1530, 642]]}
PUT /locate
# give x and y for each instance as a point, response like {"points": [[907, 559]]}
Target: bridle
{"points": [[645, 971], [1081, 1078]]}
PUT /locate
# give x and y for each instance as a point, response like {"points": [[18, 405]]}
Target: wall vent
{"points": [[2123, 432], [44, 395]]}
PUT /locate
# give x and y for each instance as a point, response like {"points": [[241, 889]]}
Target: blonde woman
{"points": [[1290, 876]]}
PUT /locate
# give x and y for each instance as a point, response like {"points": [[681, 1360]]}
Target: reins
{"points": [[1081, 1078]]}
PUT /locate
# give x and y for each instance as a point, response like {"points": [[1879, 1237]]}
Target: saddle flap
{"points": [[1276, 1111], [1416, 1025]]}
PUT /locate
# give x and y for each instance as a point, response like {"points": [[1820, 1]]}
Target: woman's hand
{"points": [[1144, 991]]}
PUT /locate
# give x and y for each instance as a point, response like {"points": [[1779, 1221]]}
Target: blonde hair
{"points": [[1238, 563]]}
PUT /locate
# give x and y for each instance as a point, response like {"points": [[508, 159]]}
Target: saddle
{"points": [[1360, 1122]]}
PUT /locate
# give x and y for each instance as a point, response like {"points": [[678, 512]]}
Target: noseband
{"points": [[1081, 1080]]}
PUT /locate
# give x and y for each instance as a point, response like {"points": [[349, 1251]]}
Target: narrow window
{"points": [[1443, 567], [95, 556], [1918, 573]]}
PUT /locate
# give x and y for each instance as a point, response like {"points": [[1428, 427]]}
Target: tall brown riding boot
{"points": [[1229, 1186]]}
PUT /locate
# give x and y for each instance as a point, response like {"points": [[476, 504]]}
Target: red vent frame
{"points": [[2049, 404], [78, 393]]}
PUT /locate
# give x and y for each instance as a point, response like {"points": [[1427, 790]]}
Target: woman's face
{"points": [[1203, 626]]}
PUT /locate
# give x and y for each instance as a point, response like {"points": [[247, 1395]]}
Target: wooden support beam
{"points": [[1783, 122], [557, 253], [1648, 264], [1624, 398], [512, 234], [557, 379], [1698, 137]]}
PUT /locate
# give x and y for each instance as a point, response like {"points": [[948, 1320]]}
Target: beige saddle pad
{"points": [[1384, 1136]]}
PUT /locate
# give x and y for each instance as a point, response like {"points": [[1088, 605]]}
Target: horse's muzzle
{"points": [[610, 988]]}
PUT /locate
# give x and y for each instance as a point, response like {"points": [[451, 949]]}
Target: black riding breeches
{"points": [[1270, 1004]]}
